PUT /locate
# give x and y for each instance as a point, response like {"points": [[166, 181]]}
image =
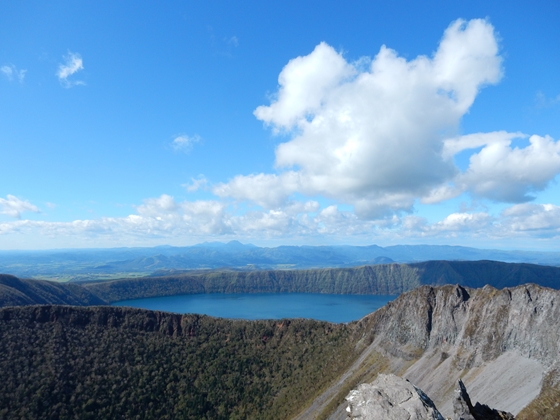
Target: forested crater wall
{"points": [[106, 362]]}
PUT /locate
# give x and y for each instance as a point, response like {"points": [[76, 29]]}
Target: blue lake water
{"points": [[332, 308]]}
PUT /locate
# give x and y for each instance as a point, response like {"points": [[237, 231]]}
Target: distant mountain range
{"points": [[84, 264]]}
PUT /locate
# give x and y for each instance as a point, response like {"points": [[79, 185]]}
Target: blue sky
{"points": [[317, 122]]}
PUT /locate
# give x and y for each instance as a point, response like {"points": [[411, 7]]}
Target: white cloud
{"points": [[467, 222], [14, 206], [473, 141], [268, 191], [502, 173], [304, 83], [154, 207], [373, 137], [73, 63], [180, 222], [12, 73], [165, 215], [184, 143]]}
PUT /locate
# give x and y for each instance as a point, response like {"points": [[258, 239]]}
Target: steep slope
{"points": [[17, 292], [502, 343]]}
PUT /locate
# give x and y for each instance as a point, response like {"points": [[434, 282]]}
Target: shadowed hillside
{"points": [[17, 292]]}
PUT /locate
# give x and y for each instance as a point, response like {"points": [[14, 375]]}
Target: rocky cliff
{"points": [[382, 279], [503, 343]]}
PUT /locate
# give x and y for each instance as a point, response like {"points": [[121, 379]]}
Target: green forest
{"points": [[107, 363]]}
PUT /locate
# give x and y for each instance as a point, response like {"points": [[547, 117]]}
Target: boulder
{"points": [[390, 397]]}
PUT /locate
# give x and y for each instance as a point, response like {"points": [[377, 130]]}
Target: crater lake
{"points": [[323, 307]]}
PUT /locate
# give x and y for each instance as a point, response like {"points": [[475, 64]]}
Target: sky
{"points": [[128, 124]]}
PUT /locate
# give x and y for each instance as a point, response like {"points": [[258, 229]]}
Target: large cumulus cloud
{"points": [[371, 133], [381, 133]]}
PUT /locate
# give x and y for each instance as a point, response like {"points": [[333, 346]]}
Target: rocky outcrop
{"points": [[390, 398]]}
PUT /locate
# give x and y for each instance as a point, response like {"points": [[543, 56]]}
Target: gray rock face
{"points": [[501, 343], [462, 406], [451, 332], [484, 323], [390, 398]]}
